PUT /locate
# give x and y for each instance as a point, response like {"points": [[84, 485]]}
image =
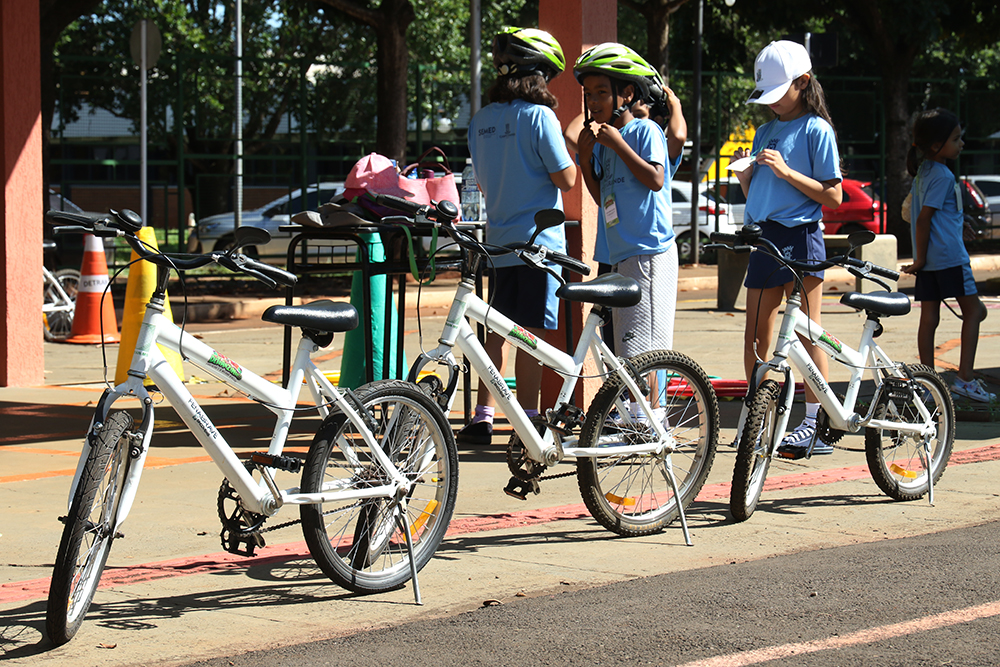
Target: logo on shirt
{"points": [[772, 144], [507, 133], [487, 130]]}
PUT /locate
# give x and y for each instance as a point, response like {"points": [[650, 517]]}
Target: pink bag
{"points": [[427, 186]]}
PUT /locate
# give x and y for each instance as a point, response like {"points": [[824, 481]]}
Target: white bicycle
{"points": [[377, 487], [909, 423], [650, 434], [59, 300]]}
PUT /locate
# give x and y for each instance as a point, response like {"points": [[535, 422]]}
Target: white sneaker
{"points": [[974, 390]]}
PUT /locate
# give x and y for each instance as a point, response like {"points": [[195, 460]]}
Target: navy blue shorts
{"points": [[802, 243], [945, 284], [526, 295]]}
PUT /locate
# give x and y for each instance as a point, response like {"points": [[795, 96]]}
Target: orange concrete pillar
{"points": [[578, 25], [21, 355]]}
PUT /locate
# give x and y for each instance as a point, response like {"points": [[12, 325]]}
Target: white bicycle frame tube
{"points": [[458, 331], [842, 416], [149, 360]]}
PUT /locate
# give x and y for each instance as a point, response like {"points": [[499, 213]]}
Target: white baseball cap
{"points": [[776, 67]]}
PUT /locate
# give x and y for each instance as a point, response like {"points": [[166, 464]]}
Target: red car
{"points": [[858, 211]]}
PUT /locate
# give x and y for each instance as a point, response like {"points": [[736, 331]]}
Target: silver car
{"points": [[713, 216], [215, 232]]}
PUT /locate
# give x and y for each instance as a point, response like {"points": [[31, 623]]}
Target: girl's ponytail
{"points": [[913, 159]]}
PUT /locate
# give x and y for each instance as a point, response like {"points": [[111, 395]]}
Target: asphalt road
{"points": [[927, 600]]}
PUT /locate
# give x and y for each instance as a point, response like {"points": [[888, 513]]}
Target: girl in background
{"points": [[940, 260]]}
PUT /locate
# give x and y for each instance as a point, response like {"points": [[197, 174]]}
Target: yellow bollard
{"points": [[140, 286]]}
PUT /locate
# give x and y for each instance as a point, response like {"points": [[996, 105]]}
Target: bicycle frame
{"points": [[543, 448], [62, 302], [869, 355], [261, 497]]}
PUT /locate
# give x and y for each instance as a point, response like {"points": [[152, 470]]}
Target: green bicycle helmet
{"points": [[519, 51], [620, 63]]}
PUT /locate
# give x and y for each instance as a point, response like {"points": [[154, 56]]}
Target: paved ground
{"points": [[170, 596]]}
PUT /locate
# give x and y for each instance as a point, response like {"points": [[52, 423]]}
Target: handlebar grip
{"points": [[399, 204], [721, 237], [274, 273], [78, 220], [571, 263], [880, 271]]}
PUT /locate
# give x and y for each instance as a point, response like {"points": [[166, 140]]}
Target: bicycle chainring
{"points": [[826, 433], [241, 529], [518, 462]]}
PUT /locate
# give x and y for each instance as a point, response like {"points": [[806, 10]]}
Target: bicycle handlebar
{"points": [[748, 239], [126, 223], [445, 213]]}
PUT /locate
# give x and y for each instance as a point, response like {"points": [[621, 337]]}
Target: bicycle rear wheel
{"points": [[895, 459], [358, 542], [59, 324], [753, 457], [89, 531], [631, 495]]}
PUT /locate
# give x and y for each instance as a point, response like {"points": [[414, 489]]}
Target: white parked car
{"points": [[712, 217], [215, 232]]}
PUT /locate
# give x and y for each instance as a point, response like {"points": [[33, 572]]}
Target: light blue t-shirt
{"points": [[809, 146], [644, 224], [514, 147], [935, 186]]}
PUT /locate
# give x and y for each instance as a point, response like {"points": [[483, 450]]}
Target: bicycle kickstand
{"points": [[930, 473], [404, 525], [668, 472]]}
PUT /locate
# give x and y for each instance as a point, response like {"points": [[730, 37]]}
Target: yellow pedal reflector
{"points": [[627, 502], [903, 472], [425, 514]]}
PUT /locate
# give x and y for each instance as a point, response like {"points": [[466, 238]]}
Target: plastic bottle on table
{"points": [[471, 196]]}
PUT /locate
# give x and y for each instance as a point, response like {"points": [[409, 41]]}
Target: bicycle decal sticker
{"points": [[226, 364], [202, 419], [144, 340], [831, 341], [455, 323], [524, 336]]}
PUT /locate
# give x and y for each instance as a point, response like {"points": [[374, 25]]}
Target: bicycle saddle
{"points": [[883, 303], [324, 315], [611, 289]]}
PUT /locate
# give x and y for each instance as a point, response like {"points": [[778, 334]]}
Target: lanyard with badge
{"points": [[610, 209]]}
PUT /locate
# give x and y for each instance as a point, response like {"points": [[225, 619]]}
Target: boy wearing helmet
{"points": [[627, 168], [522, 167]]}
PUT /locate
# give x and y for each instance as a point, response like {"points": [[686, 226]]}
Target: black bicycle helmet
{"points": [[519, 51]]}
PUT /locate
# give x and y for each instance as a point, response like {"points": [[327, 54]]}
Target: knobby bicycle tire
{"points": [[90, 530], [630, 495], [895, 459], [753, 456], [358, 543]]}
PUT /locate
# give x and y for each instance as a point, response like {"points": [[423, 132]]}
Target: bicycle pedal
{"points": [[518, 488], [287, 463]]}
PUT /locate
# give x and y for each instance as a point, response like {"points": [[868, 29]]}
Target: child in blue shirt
{"points": [[627, 167], [940, 260], [795, 172], [522, 167]]}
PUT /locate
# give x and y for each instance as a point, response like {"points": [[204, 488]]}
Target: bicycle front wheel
{"points": [[897, 460], [358, 542], [631, 494], [90, 529], [753, 456], [59, 324]]}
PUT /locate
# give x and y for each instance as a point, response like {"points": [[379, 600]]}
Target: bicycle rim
{"points": [[359, 544], [631, 494], [896, 460]]}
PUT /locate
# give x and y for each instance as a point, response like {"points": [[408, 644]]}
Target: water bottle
{"points": [[471, 197]]}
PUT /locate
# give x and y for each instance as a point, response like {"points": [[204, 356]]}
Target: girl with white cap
{"points": [[794, 171]]}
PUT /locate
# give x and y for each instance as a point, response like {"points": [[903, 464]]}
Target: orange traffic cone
{"points": [[140, 286], [92, 322]]}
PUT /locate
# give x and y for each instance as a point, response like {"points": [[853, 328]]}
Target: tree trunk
{"points": [[393, 61], [897, 143], [658, 41]]}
